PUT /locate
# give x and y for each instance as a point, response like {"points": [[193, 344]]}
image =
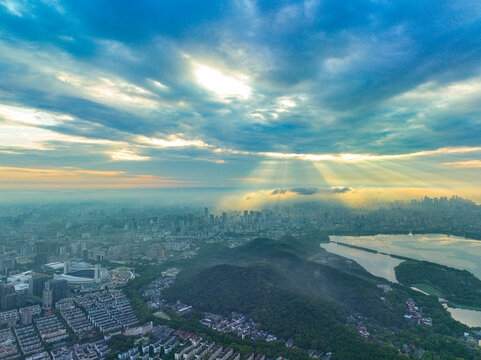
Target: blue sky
{"points": [[381, 98]]}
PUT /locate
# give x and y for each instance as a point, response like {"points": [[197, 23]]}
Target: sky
{"points": [[254, 101]]}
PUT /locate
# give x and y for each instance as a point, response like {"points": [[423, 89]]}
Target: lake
{"points": [[453, 251], [377, 264], [468, 317]]}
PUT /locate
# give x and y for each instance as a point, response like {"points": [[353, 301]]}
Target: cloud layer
{"points": [[213, 91], [310, 191]]}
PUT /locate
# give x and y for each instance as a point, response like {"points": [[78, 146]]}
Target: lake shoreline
{"points": [[475, 237], [372, 253]]}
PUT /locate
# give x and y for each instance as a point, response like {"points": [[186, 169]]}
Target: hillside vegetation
{"points": [[258, 291], [458, 286], [295, 289]]}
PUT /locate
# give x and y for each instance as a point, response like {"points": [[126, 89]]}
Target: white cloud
{"points": [[30, 137], [62, 75], [433, 96], [109, 90], [158, 84], [222, 85], [32, 116], [127, 155], [171, 141], [465, 164], [13, 7], [363, 157]]}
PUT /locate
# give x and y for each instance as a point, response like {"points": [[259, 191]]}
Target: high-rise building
{"points": [[47, 298], [37, 283], [11, 299], [59, 289], [97, 273], [66, 267], [75, 248], [6, 263], [6, 289], [26, 316]]}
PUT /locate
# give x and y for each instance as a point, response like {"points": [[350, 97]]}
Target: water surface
{"points": [[377, 264], [454, 251], [471, 318]]}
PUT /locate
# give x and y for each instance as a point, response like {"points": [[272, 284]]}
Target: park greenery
{"points": [[459, 287], [121, 343]]}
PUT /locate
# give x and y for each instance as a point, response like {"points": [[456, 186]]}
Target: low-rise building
{"points": [[28, 340], [62, 354], [51, 329], [40, 356], [8, 344]]}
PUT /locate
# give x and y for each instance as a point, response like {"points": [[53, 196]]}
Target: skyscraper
{"points": [[37, 283], [11, 299], [66, 267], [97, 273], [58, 288], [47, 298]]}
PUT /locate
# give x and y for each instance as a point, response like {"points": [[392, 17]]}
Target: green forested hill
{"points": [[357, 294], [278, 284], [458, 286], [259, 291]]}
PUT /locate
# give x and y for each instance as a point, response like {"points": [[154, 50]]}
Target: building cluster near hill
{"points": [[239, 325], [154, 290], [30, 331], [56, 281], [152, 342], [415, 314], [208, 350], [194, 347]]}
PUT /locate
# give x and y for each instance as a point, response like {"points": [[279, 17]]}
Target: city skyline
{"points": [[245, 102]]}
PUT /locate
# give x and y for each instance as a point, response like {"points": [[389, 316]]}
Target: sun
{"points": [[222, 85]]}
